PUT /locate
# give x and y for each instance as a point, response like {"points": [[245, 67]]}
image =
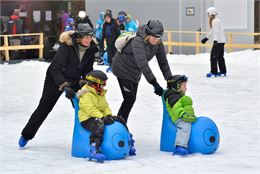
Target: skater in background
{"points": [[217, 35], [83, 18], [130, 24], [99, 28], [74, 59], [132, 62], [94, 111], [70, 25], [110, 33], [179, 107]]}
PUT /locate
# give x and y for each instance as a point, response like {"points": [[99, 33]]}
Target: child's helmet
{"points": [[97, 80], [173, 82], [97, 76], [154, 28]]}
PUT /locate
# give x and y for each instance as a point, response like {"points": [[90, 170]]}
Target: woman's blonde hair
{"points": [[157, 43], [210, 20]]}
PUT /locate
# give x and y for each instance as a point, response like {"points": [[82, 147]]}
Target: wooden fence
{"points": [[197, 44], [7, 47]]}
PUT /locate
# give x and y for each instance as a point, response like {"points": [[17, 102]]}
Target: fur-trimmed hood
{"points": [[65, 37]]}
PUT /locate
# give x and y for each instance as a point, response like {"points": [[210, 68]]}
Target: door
{"points": [[190, 20]]}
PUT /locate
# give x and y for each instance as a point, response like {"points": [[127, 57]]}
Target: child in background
{"points": [[180, 110]]}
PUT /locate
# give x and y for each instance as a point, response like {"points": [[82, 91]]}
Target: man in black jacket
{"points": [[74, 59]]}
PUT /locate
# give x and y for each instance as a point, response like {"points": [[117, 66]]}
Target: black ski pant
{"points": [[111, 51], [217, 59], [50, 96], [129, 91], [96, 127]]}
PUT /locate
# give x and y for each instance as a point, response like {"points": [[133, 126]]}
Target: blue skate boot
{"points": [[97, 155], [132, 151], [109, 69], [222, 74], [179, 150], [211, 75], [22, 142]]}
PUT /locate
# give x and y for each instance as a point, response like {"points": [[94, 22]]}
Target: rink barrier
{"points": [[6, 47], [230, 45]]}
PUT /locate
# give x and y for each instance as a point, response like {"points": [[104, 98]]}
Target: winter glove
{"points": [[204, 40], [82, 82], [70, 94], [158, 90], [188, 118], [63, 86], [215, 43], [108, 120]]}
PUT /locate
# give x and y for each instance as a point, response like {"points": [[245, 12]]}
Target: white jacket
{"points": [[216, 33]]}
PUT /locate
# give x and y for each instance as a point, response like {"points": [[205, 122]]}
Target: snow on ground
{"points": [[232, 102]]}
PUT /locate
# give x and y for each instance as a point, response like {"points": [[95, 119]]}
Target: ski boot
{"points": [[179, 150], [96, 155], [222, 74], [132, 151], [211, 75], [109, 69], [22, 142]]}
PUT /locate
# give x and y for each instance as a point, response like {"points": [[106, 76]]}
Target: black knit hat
{"points": [[108, 15]]}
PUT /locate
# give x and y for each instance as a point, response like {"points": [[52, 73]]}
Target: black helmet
{"points": [[96, 76], [154, 28], [84, 30], [173, 82]]}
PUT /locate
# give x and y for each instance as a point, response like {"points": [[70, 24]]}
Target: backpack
{"points": [[10, 26], [123, 39]]}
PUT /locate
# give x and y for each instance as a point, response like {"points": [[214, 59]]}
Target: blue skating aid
{"points": [[105, 58], [116, 140], [204, 136]]}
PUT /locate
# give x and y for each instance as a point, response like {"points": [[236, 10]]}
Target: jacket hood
{"points": [[141, 31], [65, 37]]}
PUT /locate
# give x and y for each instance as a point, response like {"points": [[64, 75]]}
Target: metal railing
{"points": [[197, 44], [6, 47]]}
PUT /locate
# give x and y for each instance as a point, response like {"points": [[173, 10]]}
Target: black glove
{"points": [[215, 43], [119, 119], [70, 94], [204, 40], [63, 86], [158, 90], [108, 120]]}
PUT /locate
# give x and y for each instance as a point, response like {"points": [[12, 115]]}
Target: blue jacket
{"points": [[131, 26], [99, 26]]}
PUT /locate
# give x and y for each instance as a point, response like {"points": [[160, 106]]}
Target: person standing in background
{"points": [[217, 35]]}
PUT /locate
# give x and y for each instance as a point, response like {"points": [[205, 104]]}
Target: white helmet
{"points": [[212, 11], [82, 14]]}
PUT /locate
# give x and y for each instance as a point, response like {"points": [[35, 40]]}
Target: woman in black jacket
{"points": [[74, 59], [132, 62]]}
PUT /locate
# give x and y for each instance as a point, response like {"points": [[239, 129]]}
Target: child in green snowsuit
{"points": [[180, 110]]}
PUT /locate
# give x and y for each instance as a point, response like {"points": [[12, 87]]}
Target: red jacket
{"points": [[13, 18]]}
